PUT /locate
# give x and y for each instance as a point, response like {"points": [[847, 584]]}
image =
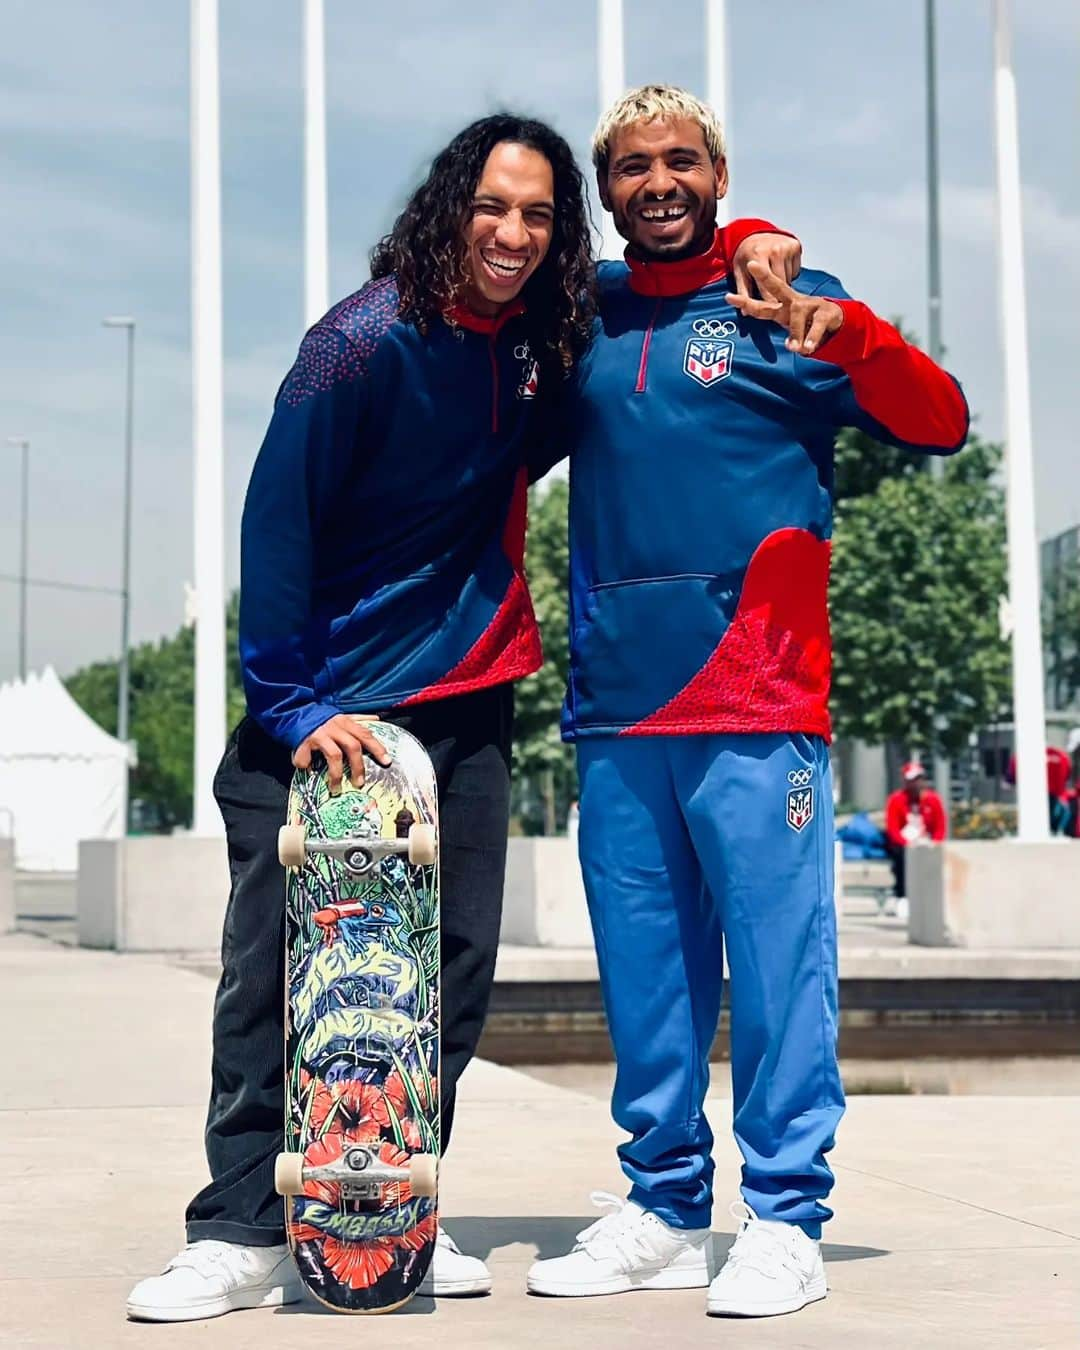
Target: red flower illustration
{"points": [[360, 1264]]}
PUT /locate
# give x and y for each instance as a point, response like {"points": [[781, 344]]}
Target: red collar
{"points": [[490, 324], [678, 278]]}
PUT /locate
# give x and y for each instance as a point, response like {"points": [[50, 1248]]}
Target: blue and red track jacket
{"points": [[700, 499], [384, 527]]}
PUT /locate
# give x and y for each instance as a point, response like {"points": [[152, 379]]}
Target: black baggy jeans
{"points": [[468, 739]]}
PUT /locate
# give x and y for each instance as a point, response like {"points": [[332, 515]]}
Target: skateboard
{"points": [[359, 1174]]}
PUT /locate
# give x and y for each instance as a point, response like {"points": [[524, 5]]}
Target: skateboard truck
{"points": [[357, 856], [359, 1171]]}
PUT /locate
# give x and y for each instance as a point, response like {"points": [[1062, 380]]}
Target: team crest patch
{"points": [[710, 352], [800, 800], [530, 371]]}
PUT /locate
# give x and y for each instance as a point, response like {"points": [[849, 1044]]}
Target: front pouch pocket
{"points": [[637, 643]]}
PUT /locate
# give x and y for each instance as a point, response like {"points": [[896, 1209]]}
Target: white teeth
{"points": [[664, 213], [507, 266]]}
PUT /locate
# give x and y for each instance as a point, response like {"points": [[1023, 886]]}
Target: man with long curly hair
{"points": [[382, 574], [701, 428]]}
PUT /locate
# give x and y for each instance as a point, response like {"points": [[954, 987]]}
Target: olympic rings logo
{"points": [[714, 328], [800, 777]]}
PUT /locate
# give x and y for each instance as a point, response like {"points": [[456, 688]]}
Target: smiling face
{"points": [[509, 230], [662, 187]]}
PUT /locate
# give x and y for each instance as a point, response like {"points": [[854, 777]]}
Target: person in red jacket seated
{"points": [[914, 814]]}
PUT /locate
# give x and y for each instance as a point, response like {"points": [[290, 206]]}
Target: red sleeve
{"points": [[898, 385], [895, 818], [733, 234], [936, 824]]}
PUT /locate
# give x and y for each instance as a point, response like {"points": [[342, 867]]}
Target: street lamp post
{"points": [[21, 443], [122, 696], [316, 243], [611, 72], [1029, 709]]}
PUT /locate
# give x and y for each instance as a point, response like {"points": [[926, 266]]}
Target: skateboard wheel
{"points": [[423, 1174], [290, 845], [421, 845], [289, 1173]]}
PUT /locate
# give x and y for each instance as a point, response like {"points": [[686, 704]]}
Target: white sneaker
{"points": [[903, 909], [209, 1278], [452, 1273], [629, 1248], [771, 1268]]}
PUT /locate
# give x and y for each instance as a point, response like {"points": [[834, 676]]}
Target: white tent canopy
{"points": [[62, 778]]}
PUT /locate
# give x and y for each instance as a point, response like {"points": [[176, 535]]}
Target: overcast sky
{"points": [[827, 138]]}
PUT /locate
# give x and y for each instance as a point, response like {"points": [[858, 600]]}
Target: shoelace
{"points": [[757, 1247], [622, 1232], [204, 1257]]}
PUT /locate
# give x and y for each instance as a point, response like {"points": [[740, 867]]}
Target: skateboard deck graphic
{"points": [[362, 1029]]}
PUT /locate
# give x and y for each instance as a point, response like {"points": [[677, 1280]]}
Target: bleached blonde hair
{"points": [[646, 104]]}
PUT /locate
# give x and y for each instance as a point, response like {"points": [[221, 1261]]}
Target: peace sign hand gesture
{"points": [[809, 319]]}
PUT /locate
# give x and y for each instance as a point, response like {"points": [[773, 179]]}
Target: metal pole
{"points": [[316, 250], [1029, 715], [933, 213], [21, 443], [942, 763], [208, 419], [123, 701], [716, 81], [611, 71]]}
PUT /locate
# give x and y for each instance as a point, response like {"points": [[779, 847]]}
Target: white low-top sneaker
{"points": [[771, 1268], [629, 1248], [452, 1273], [209, 1278]]}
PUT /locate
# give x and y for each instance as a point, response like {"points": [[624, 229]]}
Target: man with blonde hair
{"points": [[702, 425]]}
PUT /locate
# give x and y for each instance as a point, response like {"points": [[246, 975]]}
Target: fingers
{"points": [[811, 323], [342, 742], [819, 328], [335, 760], [742, 277], [374, 747], [798, 320], [755, 309], [770, 286]]}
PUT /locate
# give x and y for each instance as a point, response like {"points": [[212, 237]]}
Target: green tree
{"points": [[162, 712], [544, 772], [1061, 633], [918, 572]]}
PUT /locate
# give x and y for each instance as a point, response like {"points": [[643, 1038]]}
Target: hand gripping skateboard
{"points": [[362, 1029]]}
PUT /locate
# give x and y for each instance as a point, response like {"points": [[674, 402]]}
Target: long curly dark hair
{"points": [[425, 249]]}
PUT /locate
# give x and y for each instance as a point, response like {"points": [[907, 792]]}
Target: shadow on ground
{"points": [[554, 1235]]}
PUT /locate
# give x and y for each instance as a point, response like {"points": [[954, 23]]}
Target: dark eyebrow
{"points": [[624, 160], [490, 199]]}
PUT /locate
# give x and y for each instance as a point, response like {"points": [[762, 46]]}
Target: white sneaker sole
{"points": [[689, 1278], [453, 1288], [263, 1296], [724, 1307]]}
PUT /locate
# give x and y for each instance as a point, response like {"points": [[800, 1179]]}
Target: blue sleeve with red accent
{"points": [[875, 380], [305, 457]]}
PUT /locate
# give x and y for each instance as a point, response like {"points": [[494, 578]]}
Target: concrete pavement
{"points": [[958, 1218]]}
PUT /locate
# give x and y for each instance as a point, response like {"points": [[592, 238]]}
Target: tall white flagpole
{"points": [[717, 80], [208, 418], [316, 248], [1029, 714], [611, 69]]}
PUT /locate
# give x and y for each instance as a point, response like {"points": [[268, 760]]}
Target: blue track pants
{"points": [[691, 845]]}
